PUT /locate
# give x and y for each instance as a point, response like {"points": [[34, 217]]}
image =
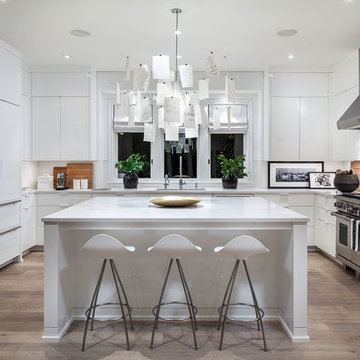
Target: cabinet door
{"points": [[28, 219], [10, 122], [75, 128], [10, 75], [46, 128], [284, 129], [25, 128], [314, 130]]}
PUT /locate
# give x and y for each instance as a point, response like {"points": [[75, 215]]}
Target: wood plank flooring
{"points": [[334, 325]]}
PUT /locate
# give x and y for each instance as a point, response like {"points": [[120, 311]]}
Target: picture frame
{"points": [[322, 180], [292, 174]]}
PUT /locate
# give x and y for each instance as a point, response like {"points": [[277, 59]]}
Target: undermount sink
{"points": [[186, 188]]}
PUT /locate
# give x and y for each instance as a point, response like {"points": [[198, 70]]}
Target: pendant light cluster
{"points": [[178, 105]]}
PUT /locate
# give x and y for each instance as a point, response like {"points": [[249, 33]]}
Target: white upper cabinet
{"points": [[46, 128], [25, 115], [346, 74], [10, 75], [300, 84], [60, 84], [314, 128], [75, 128], [284, 129]]}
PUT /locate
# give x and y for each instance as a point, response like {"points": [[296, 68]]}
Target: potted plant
{"points": [[232, 169], [131, 167]]}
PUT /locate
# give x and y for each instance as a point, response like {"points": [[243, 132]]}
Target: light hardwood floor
{"points": [[334, 324]]}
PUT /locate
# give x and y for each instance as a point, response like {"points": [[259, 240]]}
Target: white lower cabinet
{"points": [[28, 220], [325, 225], [49, 203], [9, 245]]}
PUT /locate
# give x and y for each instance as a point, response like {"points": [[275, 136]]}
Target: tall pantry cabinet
{"points": [[10, 145]]}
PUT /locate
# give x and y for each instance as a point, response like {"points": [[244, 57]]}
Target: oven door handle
{"points": [[342, 217], [357, 235], [351, 236]]}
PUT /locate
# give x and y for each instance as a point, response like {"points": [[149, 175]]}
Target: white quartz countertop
{"points": [[210, 209]]}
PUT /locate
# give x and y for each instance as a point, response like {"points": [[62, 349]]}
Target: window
{"points": [[230, 145], [132, 143], [187, 148]]}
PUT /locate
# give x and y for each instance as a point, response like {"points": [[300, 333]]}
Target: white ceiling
{"points": [[245, 29]]}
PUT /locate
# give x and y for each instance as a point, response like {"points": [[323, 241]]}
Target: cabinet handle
{"points": [[9, 230]]}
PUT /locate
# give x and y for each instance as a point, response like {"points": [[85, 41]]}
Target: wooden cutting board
{"points": [[79, 171], [355, 166]]}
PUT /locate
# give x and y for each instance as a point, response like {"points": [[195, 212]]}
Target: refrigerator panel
{"points": [[10, 120]]}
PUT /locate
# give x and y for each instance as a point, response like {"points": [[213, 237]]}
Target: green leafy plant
{"points": [[133, 164], [230, 167]]}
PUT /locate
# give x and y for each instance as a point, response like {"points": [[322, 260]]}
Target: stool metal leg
{"points": [[124, 293], [156, 320], [121, 303], [96, 298], [225, 295], [227, 304], [189, 294], [256, 306], [96, 292], [189, 303]]}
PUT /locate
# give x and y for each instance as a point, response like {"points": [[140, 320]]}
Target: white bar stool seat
{"points": [[175, 247], [241, 248], [107, 248]]}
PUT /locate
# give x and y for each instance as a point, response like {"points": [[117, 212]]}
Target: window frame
{"points": [[253, 150]]}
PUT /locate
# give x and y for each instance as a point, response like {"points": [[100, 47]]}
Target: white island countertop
{"points": [[135, 209]]}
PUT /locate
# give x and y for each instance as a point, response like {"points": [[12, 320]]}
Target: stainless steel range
{"points": [[347, 230]]}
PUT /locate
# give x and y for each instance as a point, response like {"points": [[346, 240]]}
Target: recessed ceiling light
{"points": [[178, 56], [347, 1], [79, 33], [291, 56], [3, 1], [287, 32], [67, 56], [177, 32]]}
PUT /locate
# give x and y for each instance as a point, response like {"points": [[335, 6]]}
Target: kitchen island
{"points": [[279, 277]]}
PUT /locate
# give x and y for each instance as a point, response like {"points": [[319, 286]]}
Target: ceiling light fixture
{"points": [[287, 32], [67, 56], [79, 33], [291, 56]]}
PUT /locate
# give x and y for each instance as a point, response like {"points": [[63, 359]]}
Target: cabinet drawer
{"points": [[300, 200], [274, 198], [9, 215], [306, 211], [61, 199], [325, 215], [27, 200], [9, 245], [46, 210]]}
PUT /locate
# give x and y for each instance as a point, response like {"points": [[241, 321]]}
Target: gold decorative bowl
{"points": [[175, 201]]}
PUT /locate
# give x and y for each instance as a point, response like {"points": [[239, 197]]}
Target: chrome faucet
{"points": [[166, 181], [182, 182]]}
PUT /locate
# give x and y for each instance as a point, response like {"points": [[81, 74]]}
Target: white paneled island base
{"points": [[279, 277]]}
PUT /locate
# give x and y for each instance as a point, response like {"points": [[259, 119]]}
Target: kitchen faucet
{"points": [[166, 181], [182, 182]]}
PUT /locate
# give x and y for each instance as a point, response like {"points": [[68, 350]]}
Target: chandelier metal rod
{"points": [[176, 11]]}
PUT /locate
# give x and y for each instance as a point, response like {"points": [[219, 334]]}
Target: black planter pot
{"points": [[130, 181], [346, 182], [229, 182]]}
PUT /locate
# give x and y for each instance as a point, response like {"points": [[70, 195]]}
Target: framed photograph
{"points": [[321, 180], [292, 174]]}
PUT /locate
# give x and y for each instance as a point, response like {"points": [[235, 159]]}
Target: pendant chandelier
{"points": [[178, 105]]}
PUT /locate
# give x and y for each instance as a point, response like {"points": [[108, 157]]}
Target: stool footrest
{"points": [[195, 310], [220, 311], [126, 307]]}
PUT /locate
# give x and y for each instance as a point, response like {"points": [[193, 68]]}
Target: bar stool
{"points": [[241, 247], [107, 247], [174, 247]]}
